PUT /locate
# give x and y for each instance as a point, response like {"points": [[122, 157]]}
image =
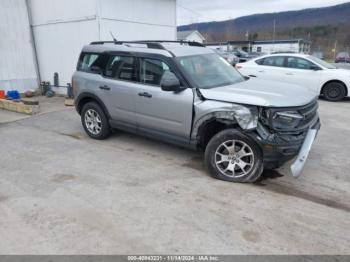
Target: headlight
{"points": [[247, 118], [290, 119]]}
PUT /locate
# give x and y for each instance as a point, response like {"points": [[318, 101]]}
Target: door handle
{"points": [[262, 71], [145, 94], [252, 75], [289, 74], [105, 87]]}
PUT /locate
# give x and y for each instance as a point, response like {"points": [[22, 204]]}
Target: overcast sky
{"points": [[194, 11]]}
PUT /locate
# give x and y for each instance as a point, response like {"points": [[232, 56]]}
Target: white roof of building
{"points": [[182, 35]]}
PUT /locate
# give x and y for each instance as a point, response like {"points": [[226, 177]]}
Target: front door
{"points": [[160, 111], [299, 71]]}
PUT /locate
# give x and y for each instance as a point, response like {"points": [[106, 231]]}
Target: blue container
{"points": [[14, 95]]}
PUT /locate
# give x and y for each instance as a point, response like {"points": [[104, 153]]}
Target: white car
{"points": [[304, 70]]}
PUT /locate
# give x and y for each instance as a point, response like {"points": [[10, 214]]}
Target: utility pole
{"points": [[335, 49], [274, 34]]}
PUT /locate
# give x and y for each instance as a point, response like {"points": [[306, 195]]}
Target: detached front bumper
{"points": [[298, 165], [288, 153]]}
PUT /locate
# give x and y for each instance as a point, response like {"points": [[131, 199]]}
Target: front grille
{"points": [[309, 113]]}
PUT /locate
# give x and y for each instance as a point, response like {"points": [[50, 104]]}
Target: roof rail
{"points": [[152, 45], [155, 44], [190, 43]]}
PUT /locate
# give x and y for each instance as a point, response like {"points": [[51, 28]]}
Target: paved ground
{"points": [[47, 105], [63, 193]]}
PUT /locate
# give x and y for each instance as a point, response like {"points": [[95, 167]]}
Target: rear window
{"points": [[92, 63], [277, 61]]}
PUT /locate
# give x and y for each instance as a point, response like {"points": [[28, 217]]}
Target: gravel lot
{"points": [[63, 193]]}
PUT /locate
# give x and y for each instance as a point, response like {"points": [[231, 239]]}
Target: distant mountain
{"points": [[321, 24]]}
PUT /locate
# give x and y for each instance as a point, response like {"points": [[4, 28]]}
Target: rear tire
{"points": [[231, 156], [334, 91], [95, 121]]}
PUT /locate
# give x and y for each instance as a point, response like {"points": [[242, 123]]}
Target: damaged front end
{"points": [[287, 134]]}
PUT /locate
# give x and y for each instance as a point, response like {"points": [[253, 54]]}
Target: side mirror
{"points": [[170, 83], [315, 68]]}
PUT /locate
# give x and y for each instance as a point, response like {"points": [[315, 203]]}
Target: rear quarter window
{"points": [[92, 63]]}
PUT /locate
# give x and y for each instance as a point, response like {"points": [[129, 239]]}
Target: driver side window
{"points": [[152, 71], [298, 63]]}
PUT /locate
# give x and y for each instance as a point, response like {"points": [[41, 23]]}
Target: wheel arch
{"points": [[209, 125], [334, 81], [89, 97]]}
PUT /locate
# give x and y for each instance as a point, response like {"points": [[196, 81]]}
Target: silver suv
{"points": [[186, 94]]}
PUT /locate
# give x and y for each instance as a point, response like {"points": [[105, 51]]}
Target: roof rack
{"points": [[149, 44], [189, 43], [154, 44]]}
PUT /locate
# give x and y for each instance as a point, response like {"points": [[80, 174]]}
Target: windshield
{"points": [[209, 71], [321, 62]]}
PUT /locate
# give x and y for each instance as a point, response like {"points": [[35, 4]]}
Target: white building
{"points": [[190, 36], [46, 36], [293, 45], [270, 46], [18, 60]]}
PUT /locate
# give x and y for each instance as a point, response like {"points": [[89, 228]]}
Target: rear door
{"points": [[166, 112], [120, 87], [270, 68]]}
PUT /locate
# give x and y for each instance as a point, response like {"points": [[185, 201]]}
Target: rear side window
{"points": [[122, 68], [298, 63], [152, 70], [92, 63], [277, 61]]}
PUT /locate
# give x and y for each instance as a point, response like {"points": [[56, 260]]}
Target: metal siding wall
{"points": [[279, 47], [56, 11], [158, 12], [131, 31], [65, 26], [59, 47], [17, 63]]}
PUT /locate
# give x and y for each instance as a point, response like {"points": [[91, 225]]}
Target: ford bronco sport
{"points": [[185, 94]]}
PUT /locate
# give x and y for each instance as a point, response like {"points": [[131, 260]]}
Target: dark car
{"points": [[243, 56], [343, 57], [228, 56], [252, 55]]}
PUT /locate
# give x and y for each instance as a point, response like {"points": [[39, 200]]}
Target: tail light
{"points": [[238, 66]]}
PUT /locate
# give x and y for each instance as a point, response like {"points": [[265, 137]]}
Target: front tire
{"points": [[334, 91], [231, 156], [95, 121]]}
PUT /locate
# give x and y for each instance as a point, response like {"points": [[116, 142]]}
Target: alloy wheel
{"points": [[234, 158], [93, 122]]}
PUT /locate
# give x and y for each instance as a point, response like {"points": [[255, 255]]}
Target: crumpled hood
{"points": [[261, 93]]}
